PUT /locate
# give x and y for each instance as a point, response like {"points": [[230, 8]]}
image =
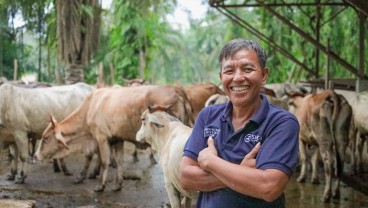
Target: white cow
{"points": [[167, 135], [359, 104], [26, 111]]}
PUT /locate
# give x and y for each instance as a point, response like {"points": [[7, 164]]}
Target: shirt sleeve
{"points": [[281, 147], [196, 141]]}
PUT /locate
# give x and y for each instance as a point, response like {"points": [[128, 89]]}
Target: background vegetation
{"points": [[135, 39]]}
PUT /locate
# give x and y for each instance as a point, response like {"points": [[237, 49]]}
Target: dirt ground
{"points": [[143, 187]]}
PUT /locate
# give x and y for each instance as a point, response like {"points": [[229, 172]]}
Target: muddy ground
{"points": [[142, 187]]}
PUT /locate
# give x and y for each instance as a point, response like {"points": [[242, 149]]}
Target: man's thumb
{"points": [[210, 141]]}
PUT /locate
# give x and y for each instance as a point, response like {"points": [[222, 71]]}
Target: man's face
{"points": [[242, 77]]}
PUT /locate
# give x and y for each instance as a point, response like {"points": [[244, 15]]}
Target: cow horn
{"points": [[53, 120]]}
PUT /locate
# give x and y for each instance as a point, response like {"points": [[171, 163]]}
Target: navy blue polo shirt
{"points": [[276, 129]]}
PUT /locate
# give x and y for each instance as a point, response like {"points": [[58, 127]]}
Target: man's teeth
{"points": [[239, 88]]}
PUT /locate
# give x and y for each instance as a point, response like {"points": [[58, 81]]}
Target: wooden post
{"points": [[15, 75], [100, 74], [112, 73]]}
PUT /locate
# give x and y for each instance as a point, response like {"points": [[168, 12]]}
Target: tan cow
{"points": [[108, 116], [324, 120], [26, 111], [198, 94], [359, 104], [167, 135]]}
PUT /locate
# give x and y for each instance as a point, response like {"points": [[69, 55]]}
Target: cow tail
{"points": [[336, 110]]}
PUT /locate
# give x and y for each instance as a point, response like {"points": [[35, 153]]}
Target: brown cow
{"points": [[107, 117], [324, 122], [198, 94]]}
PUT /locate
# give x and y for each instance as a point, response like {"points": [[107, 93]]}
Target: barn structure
{"points": [[358, 84]]}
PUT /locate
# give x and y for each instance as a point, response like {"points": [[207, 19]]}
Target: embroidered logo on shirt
{"points": [[252, 138], [211, 132]]}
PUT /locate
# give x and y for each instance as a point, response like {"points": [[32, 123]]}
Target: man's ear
{"points": [[265, 75]]}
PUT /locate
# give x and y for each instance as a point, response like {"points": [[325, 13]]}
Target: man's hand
{"points": [[250, 159], [208, 152]]}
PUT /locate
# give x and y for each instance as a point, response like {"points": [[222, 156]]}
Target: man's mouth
{"points": [[239, 88]]}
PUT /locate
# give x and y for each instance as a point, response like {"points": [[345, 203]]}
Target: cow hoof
{"points": [[99, 188], [10, 177], [326, 199], [20, 179], [336, 195], [92, 176], [300, 179], [315, 181], [153, 161], [78, 180], [117, 188], [67, 173]]}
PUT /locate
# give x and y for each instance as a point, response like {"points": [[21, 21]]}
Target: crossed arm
{"points": [[211, 173]]}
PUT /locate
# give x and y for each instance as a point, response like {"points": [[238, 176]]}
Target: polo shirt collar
{"points": [[258, 117]]}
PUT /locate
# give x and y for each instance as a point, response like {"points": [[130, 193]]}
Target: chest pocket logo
{"points": [[211, 132], [252, 138]]}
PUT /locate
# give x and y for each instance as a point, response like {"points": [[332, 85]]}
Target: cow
{"points": [[106, 118], [324, 120], [167, 135], [25, 112], [359, 105], [198, 95], [134, 82]]}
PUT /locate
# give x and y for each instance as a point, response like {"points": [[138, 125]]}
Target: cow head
{"points": [[52, 144], [148, 126], [153, 127]]}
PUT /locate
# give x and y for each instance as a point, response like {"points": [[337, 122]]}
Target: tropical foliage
{"points": [[135, 39]]}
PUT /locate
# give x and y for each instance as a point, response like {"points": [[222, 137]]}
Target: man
{"points": [[241, 153]]}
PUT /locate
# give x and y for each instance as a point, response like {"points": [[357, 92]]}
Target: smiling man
{"points": [[241, 153]]}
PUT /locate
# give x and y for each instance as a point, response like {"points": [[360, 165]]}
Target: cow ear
{"points": [[151, 108], [61, 139], [155, 121], [53, 120]]}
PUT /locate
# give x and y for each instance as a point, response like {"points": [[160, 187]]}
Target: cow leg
{"points": [[135, 155], [21, 140], [152, 158], [97, 169], [118, 155], [314, 161], [55, 164], [360, 145], [187, 202], [327, 163], [303, 161], [14, 163], [64, 168], [173, 193], [32, 145], [82, 175], [104, 150], [353, 141]]}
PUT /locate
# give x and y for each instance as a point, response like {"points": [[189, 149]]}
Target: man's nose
{"points": [[239, 75]]}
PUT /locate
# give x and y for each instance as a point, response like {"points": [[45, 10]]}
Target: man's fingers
{"points": [[253, 153]]}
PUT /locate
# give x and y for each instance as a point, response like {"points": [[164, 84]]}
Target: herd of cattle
{"points": [[96, 121]]}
